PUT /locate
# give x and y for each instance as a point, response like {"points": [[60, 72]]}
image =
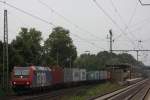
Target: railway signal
{"points": [[110, 40]]}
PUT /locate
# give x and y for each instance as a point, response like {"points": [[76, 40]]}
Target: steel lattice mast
{"points": [[5, 52]]}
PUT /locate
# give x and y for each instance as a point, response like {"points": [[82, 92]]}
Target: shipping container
{"points": [[41, 76], [108, 75], [71, 75], [105, 75], [101, 75], [97, 76], [83, 74], [90, 75], [67, 75], [76, 74], [57, 75]]}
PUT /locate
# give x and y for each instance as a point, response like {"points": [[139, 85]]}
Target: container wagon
{"points": [[39, 77], [57, 75], [82, 74]]}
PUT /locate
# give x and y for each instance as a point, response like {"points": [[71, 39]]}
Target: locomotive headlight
{"points": [[27, 83], [14, 83]]}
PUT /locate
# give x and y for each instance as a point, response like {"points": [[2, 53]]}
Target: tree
{"points": [[87, 61], [46, 57], [126, 58], [26, 49], [99, 61], [60, 47]]}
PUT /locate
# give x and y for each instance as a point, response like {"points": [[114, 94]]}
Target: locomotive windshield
{"points": [[21, 71]]}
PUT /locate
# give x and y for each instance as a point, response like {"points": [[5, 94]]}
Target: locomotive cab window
{"points": [[21, 72]]}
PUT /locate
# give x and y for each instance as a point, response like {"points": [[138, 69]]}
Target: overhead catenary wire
{"points": [[121, 18], [27, 13], [93, 44], [140, 24], [45, 21], [19, 18], [126, 25], [113, 21], [69, 21], [144, 4], [133, 14], [116, 10]]}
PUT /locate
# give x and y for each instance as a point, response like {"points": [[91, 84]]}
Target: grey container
{"points": [[71, 75], [97, 75], [67, 75], [82, 74], [102, 75], [91, 75], [76, 74], [105, 75]]}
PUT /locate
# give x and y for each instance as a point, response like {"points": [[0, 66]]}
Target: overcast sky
{"points": [[88, 23]]}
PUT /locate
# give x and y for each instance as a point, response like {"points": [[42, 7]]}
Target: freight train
{"points": [[34, 77]]}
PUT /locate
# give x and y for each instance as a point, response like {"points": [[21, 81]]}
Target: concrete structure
{"points": [[119, 72]]}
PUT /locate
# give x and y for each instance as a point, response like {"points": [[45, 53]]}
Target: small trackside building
{"points": [[119, 72]]}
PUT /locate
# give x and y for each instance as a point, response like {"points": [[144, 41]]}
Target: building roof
{"points": [[118, 66]]}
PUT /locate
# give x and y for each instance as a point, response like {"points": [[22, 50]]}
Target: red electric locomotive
{"points": [[31, 77]]}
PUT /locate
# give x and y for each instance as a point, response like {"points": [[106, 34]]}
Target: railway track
{"points": [[140, 85], [129, 93], [50, 95], [138, 91]]}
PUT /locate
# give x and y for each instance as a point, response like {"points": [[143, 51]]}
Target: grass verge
{"points": [[92, 91], [2, 92]]}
